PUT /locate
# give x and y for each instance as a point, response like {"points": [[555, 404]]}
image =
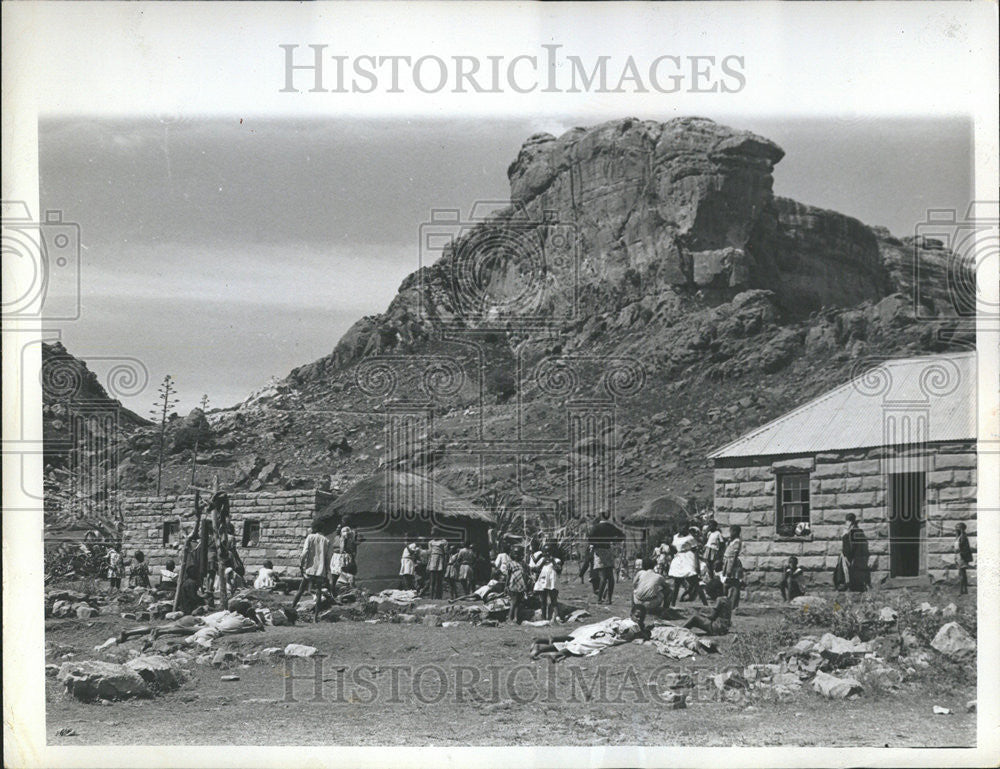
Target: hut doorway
{"points": [[906, 523]]}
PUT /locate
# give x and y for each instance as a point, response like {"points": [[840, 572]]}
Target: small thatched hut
{"points": [[387, 506], [657, 513]]}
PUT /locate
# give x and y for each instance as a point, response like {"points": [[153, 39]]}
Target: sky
{"points": [[227, 252]]}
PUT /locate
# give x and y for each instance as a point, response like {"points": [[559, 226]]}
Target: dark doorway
{"points": [[906, 523]]}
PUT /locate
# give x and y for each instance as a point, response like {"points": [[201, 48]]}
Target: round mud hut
{"points": [[387, 507]]}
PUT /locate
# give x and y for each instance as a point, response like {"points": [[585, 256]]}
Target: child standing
{"points": [[732, 567], [315, 566], [139, 573], [791, 580], [115, 568], [963, 551], [516, 584], [407, 564], [547, 583]]}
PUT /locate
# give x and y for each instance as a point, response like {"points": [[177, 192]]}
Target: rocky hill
{"points": [[644, 271]]}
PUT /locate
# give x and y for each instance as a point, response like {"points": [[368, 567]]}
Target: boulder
{"points": [[93, 680], [157, 671], [300, 650], [173, 615], [224, 657], [730, 679], [83, 611], [949, 611], [272, 652], [952, 640], [835, 688]]}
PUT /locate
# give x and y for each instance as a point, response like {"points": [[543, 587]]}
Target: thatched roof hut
{"points": [[387, 507], [658, 511], [405, 495]]}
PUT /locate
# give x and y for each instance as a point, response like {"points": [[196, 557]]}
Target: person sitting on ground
{"points": [[168, 576], [592, 639], [717, 623], [265, 577], [139, 572], [791, 580], [190, 597], [650, 589], [732, 567], [314, 563]]}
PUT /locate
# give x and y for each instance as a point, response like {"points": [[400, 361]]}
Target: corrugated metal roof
{"points": [[871, 410]]}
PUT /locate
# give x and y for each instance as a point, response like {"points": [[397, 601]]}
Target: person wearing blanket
{"points": [[589, 640], [241, 618]]}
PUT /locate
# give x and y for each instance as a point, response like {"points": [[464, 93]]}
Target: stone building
{"points": [[896, 446], [269, 525]]}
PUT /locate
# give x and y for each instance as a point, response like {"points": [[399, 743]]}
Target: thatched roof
{"points": [[412, 493], [657, 511]]}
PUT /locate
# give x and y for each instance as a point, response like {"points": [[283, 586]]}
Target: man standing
{"points": [[437, 556], [854, 546], [315, 566], [963, 551]]}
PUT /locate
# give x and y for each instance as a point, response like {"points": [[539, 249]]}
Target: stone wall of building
{"points": [[285, 518], [843, 482]]}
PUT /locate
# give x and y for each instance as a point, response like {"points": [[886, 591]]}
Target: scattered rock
{"points": [[158, 671], [887, 614], [272, 652], [229, 678], [51, 670], [730, 679], [173, 615], [949, 611], [835, 688], [91, 680], [970, 706], [83, 611], [940, 711], [431, 619], [926, 608], [223, 657], [807, 602], [952, 640], [299, 650], [67, 731]]}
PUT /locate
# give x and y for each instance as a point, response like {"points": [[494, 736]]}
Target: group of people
{"points": [[325, 564], [135, 568], [426, 565], [698, 562]]}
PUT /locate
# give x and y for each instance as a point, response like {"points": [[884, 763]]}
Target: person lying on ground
{"points": [[592, 639], [239, 618], [716, 623], [649, 588], [791, 580]]}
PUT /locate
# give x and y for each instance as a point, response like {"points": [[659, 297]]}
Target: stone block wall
{"points": [[842, 482], [285, 518]]}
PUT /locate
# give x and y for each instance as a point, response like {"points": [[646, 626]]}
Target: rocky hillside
{"points": [[643, 264]]}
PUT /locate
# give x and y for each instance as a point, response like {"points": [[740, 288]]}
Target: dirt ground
{"points": [[414, 684]]}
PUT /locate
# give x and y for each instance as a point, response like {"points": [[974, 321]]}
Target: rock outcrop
{"points": [[658, 242]]}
